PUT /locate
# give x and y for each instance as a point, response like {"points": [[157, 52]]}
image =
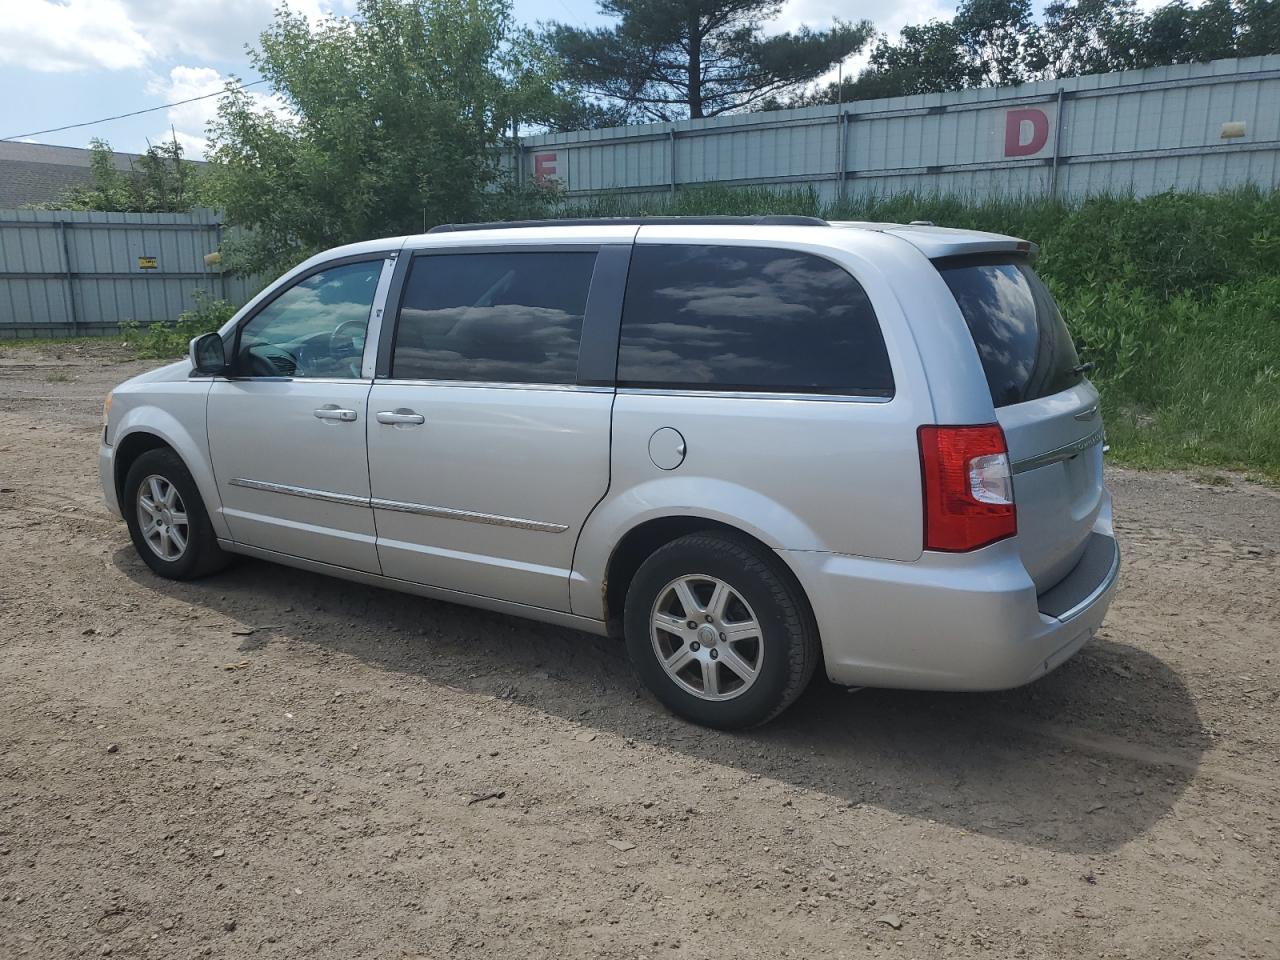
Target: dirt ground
{"points": [[270, 763]]}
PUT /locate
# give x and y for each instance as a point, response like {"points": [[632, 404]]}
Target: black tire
{"points": [[789, 647], [201, 555]]}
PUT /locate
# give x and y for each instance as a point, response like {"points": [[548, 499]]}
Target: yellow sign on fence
{"points": [[147, 263]]}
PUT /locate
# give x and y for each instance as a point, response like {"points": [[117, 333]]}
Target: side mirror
{"points": [[208, 355]]}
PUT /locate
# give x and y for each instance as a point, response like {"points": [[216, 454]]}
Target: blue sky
{"points": [[64, 61]]}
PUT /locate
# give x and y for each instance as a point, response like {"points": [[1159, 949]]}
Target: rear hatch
{"points": [[1048, 410]]}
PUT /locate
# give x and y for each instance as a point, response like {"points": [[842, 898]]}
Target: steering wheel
{"points": [[343, 339]]}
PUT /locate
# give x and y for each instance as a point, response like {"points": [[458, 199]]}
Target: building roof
{"points": [[38, 173]]}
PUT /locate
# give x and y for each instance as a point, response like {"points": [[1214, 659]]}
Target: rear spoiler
{"points": [[937, 242]]}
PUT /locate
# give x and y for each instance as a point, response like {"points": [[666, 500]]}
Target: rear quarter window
{"points": [[710, 317], [1022, 340]]}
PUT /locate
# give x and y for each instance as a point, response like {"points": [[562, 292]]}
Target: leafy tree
{"points": [[669, 59], [1090, 36], [926, 59], [1000, 40], [988, 42], [1178, 33], [383, 123], [569, 109], [159, 181], [1258, 27]]}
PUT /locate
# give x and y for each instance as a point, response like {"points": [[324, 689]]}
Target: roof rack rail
{"points": [[764, 220]]}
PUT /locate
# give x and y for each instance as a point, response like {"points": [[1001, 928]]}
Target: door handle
{"points": [[400, 416], [335, 413]]}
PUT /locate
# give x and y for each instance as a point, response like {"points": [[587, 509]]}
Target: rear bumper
{"points": [[954, 621]]}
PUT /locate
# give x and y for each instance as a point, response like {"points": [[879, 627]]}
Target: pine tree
{"points": [[670, 59]]}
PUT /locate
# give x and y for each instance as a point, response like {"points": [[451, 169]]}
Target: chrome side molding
{"points": [[305, 492], [446, 513], [421, 509]]}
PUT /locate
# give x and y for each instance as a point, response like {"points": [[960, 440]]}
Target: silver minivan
{"points": [[747, 446]]}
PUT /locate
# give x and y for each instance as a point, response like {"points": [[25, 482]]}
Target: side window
{"points": [[748, 318], [316, 328], [493, 317]]}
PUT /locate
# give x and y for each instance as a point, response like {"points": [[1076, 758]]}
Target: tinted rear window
{"points": [[493, 317], [1021, 337], [748, 318]]}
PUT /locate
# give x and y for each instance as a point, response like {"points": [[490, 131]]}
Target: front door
{"points": [[485, 454], [286, 429]]}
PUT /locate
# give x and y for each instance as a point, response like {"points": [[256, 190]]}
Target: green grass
{"points": [[1175, 297]]}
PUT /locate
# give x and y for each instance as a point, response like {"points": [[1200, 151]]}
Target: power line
{"points": [[572, 15], [135, 113]]}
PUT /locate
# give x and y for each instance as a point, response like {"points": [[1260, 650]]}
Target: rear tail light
{"points": [[968, 487]]}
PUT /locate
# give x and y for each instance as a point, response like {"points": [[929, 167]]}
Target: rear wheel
{"points": [[167, 519], [719, 632]]}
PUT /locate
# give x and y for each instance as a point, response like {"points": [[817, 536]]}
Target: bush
{"points": [[165, 341]]}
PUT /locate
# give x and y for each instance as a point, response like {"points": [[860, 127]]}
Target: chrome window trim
{"points": [[420, 509], [1097, 591], [447, 513], [305, 492], [1064, 452], [495, 385], [751, 394]]}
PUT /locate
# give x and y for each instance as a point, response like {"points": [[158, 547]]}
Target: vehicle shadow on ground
{"points": [[1079, 761]]}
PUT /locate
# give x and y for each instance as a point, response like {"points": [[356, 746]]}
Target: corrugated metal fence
{"points": [[1196, 127], [68, 272]]}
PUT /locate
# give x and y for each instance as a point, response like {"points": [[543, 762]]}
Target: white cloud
{"points": [[216, 29], [64, 35], [72, 35], [188, 121], [888, 19]]}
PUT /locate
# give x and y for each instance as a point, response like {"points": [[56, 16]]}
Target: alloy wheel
{"points": [[162, 518], [707, 638]]}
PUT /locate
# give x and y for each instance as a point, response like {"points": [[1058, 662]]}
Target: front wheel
{"points": [[167, 519], [719, 631]]}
